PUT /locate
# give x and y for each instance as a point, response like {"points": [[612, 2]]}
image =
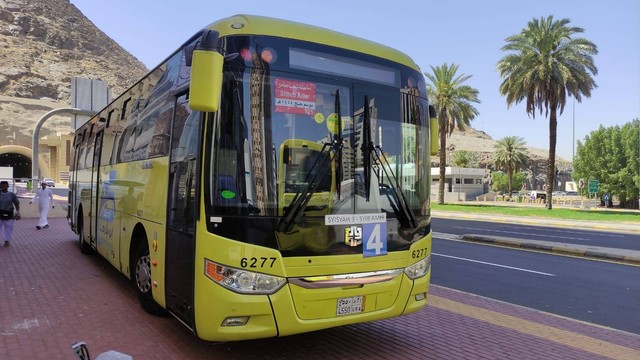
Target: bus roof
{"points": [[261, 25]]}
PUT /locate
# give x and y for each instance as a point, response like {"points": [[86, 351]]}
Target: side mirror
{"points": [[206, 74], [433, 130]]}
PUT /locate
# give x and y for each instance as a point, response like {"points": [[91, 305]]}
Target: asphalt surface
{"points": [[600, 252]]}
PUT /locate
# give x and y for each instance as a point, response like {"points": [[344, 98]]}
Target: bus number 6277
{"points": [[255, 262]]}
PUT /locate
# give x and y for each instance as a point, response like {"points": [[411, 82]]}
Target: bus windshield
{"points": [[296, 136]]}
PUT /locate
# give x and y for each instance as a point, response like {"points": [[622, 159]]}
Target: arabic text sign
{"points": [[295, 97]]}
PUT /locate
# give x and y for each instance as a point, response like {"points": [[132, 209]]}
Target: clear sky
{"points": [[469, 33]]}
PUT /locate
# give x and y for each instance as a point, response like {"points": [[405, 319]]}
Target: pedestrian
{"points": [[44, 197], [8, 202]]}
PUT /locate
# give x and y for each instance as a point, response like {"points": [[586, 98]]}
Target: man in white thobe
{"points": [[44, 197]]}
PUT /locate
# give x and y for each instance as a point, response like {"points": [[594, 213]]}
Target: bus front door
{"points": [[95, 188], [181, 210]]}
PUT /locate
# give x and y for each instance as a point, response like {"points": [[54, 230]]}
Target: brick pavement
{"points": [[51, 296]]}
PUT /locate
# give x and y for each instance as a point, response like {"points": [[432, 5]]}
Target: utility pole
{"points": [[573, 143]]}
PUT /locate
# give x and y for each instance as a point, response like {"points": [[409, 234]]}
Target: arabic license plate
{"points": [[350, 305]]}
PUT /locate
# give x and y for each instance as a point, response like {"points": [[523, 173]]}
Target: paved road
{"points": [[566, 235], [600, 292], [600, 252]]}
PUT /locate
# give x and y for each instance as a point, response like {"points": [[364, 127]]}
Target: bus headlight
{"points": [[419, 269], [242, 281]]}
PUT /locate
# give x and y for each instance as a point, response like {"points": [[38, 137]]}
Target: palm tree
{"points": [[510, 155], [547, 64], [452, 101], [464, 158]]}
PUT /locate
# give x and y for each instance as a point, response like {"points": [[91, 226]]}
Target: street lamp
{"points": [[573, 143]]}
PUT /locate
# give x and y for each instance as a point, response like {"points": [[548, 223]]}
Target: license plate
{"points": [[350, 305]]}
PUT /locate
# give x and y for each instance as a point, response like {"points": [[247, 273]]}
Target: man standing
{"points": [[8, 201], [44, 197]]}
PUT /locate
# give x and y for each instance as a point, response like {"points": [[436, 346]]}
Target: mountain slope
{"points": [[46, 42], [43, 44]]}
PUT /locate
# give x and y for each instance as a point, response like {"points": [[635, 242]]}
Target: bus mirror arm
{"points": [[188, 55], [208, 42]]}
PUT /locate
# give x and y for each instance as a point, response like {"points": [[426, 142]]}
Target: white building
{"points": [[461, 184]]}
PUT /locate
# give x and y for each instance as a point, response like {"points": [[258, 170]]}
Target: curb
{"points": [[624, 227], [565, 249]]}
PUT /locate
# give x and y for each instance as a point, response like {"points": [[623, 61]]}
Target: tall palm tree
{"points": [[545, 65], [510, 155], [453, 103]]}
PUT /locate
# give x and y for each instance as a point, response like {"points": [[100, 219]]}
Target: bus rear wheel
{"points": [[142, 280]]}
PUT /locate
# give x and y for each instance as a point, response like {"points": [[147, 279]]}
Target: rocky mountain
{"points": [[43, 44], [483, 145]]}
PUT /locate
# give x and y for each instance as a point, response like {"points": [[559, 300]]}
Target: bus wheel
{"points": [[85, 248], [142, 280]]}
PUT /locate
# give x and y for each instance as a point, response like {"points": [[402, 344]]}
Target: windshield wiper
{"points": [[373, 152], [337, 144], [297, 206], [316, 173], [367, 147], [396, 198]]}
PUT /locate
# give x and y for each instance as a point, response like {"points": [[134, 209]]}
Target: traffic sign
{"points": [[581, 183], [594, 185]]}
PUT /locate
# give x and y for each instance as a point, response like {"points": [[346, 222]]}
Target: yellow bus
{"points": [[253, 184]]}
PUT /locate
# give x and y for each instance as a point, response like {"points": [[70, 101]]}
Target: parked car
{"points": [[559, 193], [49, 182]]}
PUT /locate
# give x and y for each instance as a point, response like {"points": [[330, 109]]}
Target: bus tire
{"points": [[85, 248], [142, 280]]}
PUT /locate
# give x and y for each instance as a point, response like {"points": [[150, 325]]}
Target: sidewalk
{"points": [[612, 254]]}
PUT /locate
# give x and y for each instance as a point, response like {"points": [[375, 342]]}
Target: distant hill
{"points": [[483, 144]]}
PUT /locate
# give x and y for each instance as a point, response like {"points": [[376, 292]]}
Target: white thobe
{"points": [[44, 198]]}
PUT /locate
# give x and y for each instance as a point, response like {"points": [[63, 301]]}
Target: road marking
{"points": [[494, 264], [526, 234], [581, 342]]}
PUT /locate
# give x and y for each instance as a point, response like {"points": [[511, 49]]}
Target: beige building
{"points": [[59, 153], [460, 183], [54, 158]]}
